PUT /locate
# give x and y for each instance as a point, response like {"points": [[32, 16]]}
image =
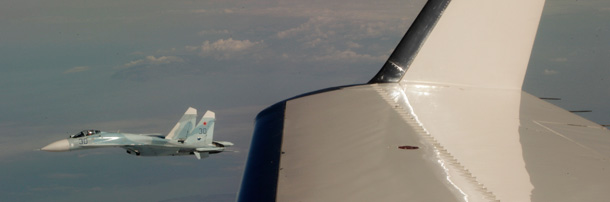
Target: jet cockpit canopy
{"points": [[85, 133]]}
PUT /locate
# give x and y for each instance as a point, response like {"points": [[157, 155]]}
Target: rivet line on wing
{"points": [[446, 159]]}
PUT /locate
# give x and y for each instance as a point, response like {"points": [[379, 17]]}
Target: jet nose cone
{"points": [[61, 145]]}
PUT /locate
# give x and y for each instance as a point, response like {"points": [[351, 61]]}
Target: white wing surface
{"points": [[444, 120]]}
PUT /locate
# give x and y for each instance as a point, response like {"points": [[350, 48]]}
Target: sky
{"points": [[136, 66]]}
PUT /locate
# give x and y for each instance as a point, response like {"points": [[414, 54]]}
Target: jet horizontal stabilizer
{"points": [[222, 143], [209, 149]]}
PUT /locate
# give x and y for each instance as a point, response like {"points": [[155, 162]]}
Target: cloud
{"points": [[214, 32], [313, 27], [379, 29], [227, 48], [314, 43], [351, 44], [340, 28], [330, 34], [334, 38], [349, 55], [152, 67], [191, 59], [550, 72], [352, 11], [228, 45], [77, 69], [152, 60], [191, 48]]}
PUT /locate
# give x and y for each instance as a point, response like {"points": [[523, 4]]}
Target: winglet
{"points": [[467, 42], [396, 66]]}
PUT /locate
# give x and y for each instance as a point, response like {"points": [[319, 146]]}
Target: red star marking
{"points": [[205, 123]]}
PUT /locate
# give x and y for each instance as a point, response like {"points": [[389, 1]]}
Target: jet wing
{"points": [[444, 120]]}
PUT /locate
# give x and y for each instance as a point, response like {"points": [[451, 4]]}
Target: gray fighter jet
{"points": [[185, 138]]}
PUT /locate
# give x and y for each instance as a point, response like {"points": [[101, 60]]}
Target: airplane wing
{"points": [[444, 120]]}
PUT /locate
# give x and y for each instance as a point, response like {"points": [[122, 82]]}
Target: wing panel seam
{"points": [[446, 158]]}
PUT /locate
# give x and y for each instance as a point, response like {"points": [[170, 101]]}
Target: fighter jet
{"points": [[185, 138]]}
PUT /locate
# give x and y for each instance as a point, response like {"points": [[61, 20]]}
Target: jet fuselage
{"points": [[137, 144]]}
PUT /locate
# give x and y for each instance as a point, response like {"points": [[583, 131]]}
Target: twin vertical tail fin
{"points": [[184, 127], [187, 132], [203, 133], [200, 135]]}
